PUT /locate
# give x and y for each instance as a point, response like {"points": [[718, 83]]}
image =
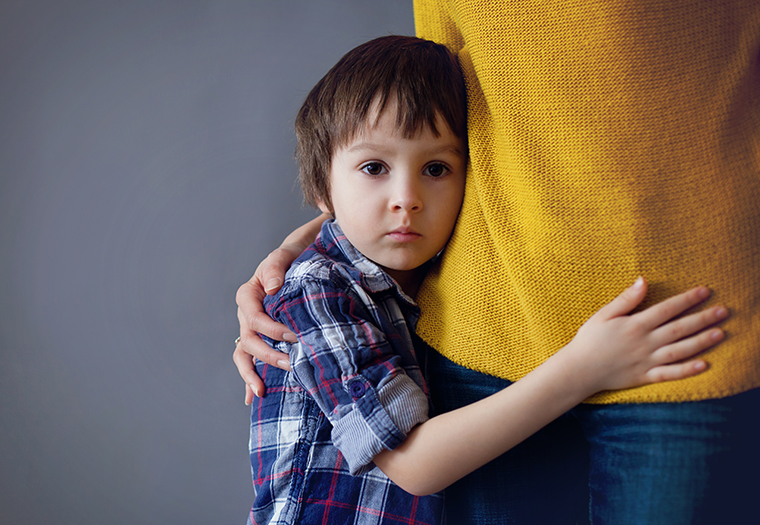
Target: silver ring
{"points": [[237, 341]]}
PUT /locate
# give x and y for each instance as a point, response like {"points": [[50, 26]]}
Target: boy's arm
{"points": [[253, 320], [352, 361], [611, 351]]}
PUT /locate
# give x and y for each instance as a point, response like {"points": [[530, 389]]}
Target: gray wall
{"points": [[145, 169]]}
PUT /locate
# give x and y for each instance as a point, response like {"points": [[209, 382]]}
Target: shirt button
{"points": [[356, 388]]}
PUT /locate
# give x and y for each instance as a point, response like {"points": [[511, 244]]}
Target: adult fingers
{"points": [[662, 312], [249, 394], [252, 316], [247, 371], [257, 348], [271, 272], [625, 302], [251, 344], [688, 325]]}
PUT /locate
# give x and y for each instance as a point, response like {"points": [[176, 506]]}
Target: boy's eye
{"points": [[436, 170], [373, 168]]}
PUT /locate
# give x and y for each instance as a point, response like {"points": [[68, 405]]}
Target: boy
{"points": [[345, 436]]}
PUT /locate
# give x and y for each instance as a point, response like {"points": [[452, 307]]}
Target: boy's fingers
{"points": [[676, 371], [687, 347], [625, 302], [691, 324], [660, 313]]}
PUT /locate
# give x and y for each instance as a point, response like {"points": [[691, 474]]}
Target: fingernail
{"points": [[255, 392], [704, 292], [282, 363], [290, 337], [272, 283], [700, 365], [721, 312], [716, 335], [639, 283]]}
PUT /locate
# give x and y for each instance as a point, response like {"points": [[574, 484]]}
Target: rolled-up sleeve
{"points": [[351, 369]]}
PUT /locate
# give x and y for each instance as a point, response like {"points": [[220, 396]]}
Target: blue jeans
{"points": [[657, 463]]}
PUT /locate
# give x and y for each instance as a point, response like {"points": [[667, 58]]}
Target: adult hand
{"points": [[267, 279]]}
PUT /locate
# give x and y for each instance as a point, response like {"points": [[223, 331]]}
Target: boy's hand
{"points": [[267, 279], [613, 350]]}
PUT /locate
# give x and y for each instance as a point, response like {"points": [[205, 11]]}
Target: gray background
{"points": [[145, 169]]}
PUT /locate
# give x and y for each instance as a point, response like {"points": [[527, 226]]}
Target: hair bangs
{"points": [[421, 77]]}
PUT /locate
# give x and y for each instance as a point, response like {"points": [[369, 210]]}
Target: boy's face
{"points": [[397, 199]]}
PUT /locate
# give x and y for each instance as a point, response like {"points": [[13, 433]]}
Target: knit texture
{"points": [[608, 140]]}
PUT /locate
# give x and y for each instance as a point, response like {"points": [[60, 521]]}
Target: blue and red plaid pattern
{"points": [[355, 389]]}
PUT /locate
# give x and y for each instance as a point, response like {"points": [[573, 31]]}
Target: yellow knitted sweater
{"points": [[608, 139]]}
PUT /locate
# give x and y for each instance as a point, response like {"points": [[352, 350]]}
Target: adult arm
{"points": [[435, 20], [612, 350], [253, 320]]}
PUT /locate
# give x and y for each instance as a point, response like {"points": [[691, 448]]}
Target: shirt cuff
{"points": [[379, 420]]}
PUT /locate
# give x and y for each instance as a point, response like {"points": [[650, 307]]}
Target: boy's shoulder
{"points": [[315, 267], [331, 263]]}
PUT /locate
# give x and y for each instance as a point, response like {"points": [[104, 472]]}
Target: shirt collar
{"points": [[334, 243]]}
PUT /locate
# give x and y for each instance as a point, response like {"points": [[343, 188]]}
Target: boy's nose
{"points": [[406, 196]]}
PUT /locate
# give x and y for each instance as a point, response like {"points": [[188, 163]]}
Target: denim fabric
{"points": [[542, 480], [674, 463], [658, 463]]}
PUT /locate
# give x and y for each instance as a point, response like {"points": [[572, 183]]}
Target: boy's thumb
{"points": [[626, 301]]}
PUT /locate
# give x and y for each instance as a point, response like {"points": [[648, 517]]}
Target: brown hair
{"points": [[424, 78]]}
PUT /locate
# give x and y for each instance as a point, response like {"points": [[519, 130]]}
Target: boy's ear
{"points": [[323, 208]]}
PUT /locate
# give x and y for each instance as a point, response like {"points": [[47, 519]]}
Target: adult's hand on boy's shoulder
{"points": [[267, 279], [254, 320]]}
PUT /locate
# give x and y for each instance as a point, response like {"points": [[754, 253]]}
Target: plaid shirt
{"points": [[355, 389]]}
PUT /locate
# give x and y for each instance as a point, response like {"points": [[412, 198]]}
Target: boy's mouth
{"points": [[404, 235]]}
